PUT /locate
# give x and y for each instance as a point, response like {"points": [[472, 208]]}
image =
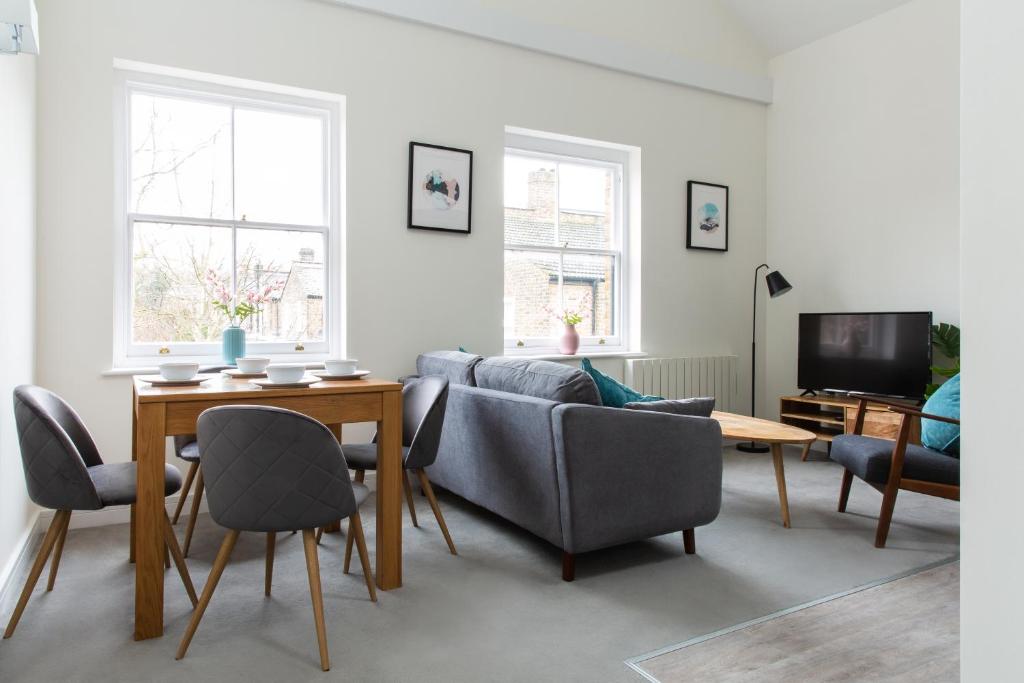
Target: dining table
{"points": [[162, 411]]}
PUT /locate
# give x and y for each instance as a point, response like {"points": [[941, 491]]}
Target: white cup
{"points": [[252, 365], [284, 373], [178, 372], [340, 366]]}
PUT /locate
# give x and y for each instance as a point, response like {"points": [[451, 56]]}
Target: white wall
{"points": [[408, 291], [992, 175], [17, 282], [863, 165]]}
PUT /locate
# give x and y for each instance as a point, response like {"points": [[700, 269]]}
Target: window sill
{"points": [[538, 354]]}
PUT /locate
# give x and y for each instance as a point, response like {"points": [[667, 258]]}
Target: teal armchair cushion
{"points": [[614, 394], [942, 436]]}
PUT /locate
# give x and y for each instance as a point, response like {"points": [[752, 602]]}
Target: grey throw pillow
{"points": [[698, 407]]}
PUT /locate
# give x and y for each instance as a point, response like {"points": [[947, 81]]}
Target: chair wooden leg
{"points": [[211, 583], [197, 498], [844, 489], [355, 530], [319, 535], [568, 566], [58, 549], [171, 543], [885, 516], [408, 497], [37, 568], [689, 542], [183, 494], [349, 538], [360, 476], [425, 483], [269, 574], [313, 569]]}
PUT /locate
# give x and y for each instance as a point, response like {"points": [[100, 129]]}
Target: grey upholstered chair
{"points": [[64, 472], [270, 470], [186, 448], [423, 406], [890, 465]]}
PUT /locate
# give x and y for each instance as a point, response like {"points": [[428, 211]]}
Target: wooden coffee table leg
{"points": [[780, 479]]}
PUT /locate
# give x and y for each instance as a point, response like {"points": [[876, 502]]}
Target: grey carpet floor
{"points": [[497, 612]]}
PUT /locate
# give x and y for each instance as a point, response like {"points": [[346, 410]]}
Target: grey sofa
{"points": [[530, 441]]}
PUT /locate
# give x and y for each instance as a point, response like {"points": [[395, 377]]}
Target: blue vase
{"points": [[233, 344]]}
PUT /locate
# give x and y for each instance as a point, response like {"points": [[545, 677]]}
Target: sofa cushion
{"points": [[614, 394], [698, 407], [457, 366], [537, 378]]}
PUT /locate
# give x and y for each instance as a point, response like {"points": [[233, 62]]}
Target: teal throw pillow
{"points": [[614, 394], [942, 436]]}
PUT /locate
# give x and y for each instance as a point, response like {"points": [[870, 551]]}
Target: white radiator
{"points": [[686, 377]]}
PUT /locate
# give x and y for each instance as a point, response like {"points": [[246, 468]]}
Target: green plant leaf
{"points": [[946, 337]]}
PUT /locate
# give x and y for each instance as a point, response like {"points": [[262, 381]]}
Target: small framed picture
{"points": [[440, 188], [707, 218]]}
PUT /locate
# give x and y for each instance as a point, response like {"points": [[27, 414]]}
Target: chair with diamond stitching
{"points": [[64, 472], [270, 470]]}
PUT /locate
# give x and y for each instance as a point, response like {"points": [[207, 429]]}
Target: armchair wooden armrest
{"points": [[906, 410]]}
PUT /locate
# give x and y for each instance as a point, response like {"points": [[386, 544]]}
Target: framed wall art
{"points": [[707, 217], [440, 188]]}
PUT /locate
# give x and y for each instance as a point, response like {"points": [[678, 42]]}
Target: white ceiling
{"points": [[783, 25]]}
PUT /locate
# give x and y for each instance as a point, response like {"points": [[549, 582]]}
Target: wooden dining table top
{"points": [[221, 387]]}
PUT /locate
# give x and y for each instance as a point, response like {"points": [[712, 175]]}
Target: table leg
{"points": [[780, 479], [131, 508], [149, 521], [334, 527], [389, 492]]}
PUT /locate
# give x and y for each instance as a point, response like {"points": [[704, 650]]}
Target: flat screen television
{"points": [[876, 353]]}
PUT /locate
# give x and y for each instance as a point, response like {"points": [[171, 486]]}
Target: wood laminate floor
{"points": [[905, 630]]}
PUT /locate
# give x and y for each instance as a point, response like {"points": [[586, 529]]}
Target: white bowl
{"points": [[283, 373], [252, 365], [178, 372], [340, 366]]}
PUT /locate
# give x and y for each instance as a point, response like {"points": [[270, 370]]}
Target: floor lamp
{"points": [[777, 286]]}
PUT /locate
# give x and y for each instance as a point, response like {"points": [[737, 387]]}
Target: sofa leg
{"points": [[689, 542], [568, 566]]}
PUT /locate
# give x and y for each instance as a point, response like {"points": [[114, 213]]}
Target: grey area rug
{"points": [[496, 612]]}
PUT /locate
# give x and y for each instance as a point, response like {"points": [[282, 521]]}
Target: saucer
{"points": [[158, 381], [267, 384], [235, 373], [324, 375]]}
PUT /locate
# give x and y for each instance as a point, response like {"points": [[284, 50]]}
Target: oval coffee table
{"points": [[745, 428]]}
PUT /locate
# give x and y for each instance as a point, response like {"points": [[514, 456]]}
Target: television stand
{"points": [[829, 416], [808, 392]]}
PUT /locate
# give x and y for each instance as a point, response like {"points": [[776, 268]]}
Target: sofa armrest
{"points": [[625, 475]]}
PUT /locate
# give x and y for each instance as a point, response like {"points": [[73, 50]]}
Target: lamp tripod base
{"points": [[752, 447]]}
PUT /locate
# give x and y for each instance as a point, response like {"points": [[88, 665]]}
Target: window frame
{"points": [[559, 149], [128, 353]]}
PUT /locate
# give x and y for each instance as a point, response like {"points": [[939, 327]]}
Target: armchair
{"points": [[889, 466]]}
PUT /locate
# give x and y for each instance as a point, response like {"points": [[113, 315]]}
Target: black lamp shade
{"points": [[777, 285]]}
